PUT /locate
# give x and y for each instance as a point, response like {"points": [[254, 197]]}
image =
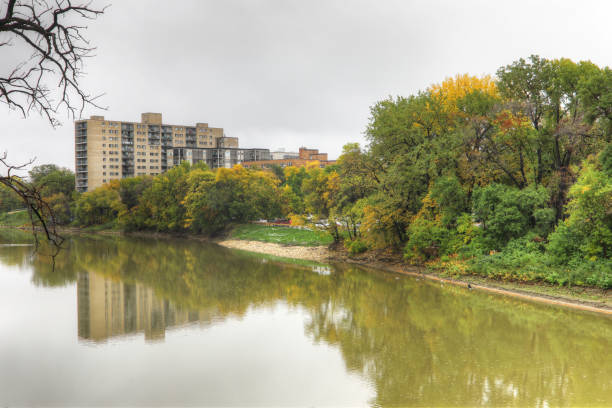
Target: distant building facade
{"points": [[301, 159], [108, 149], [280, 155]]}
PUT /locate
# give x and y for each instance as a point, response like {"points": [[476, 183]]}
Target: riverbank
{"points": [[585, 298], [589, 299]]}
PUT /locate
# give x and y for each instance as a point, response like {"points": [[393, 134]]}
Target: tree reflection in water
{"points": [[418, 343]]}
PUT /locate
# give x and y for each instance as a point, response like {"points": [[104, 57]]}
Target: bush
{"points": [[429, 239], [605, 159], [525, 260], [508, 213], [356, 246], [297, 220], [564, 244]]}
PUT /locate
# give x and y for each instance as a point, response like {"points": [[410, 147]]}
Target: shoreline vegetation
{"points": [[506, 177], [588, 299]]}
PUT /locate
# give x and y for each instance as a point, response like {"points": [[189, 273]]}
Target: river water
{"points": [[141, 321]]}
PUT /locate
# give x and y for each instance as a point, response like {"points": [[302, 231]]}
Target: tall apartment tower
{"points": [[107, 149]]}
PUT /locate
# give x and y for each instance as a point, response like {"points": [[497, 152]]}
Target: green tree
{"points": [[9, 201], [50, 179], [507, 213], [161, 205], [99, 206], [587, 232], [231, 196]]}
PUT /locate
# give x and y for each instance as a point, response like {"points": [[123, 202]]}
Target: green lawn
{"points": [[15, 218], [281, 235]]}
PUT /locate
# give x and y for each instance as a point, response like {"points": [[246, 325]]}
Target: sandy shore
{"points": [[318, 253]]}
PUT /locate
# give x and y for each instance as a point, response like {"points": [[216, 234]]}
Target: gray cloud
{"points": [[291, 73]]}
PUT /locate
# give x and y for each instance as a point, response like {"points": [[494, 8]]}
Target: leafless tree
{"points": [[49, 79], [51, 32]]}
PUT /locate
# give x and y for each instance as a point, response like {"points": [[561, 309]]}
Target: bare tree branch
{"points": [[41, 215], [46, 82], [49, 80]]}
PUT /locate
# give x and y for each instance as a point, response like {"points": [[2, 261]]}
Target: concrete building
{"points": [[281, 154], [108, 149], [303, 158], [219, 157]]}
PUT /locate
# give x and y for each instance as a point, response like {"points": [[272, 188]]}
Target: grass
{"points": [[15, 218], [281, 235]]}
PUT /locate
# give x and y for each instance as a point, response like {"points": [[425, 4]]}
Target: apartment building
{"points": [[108, 149]]}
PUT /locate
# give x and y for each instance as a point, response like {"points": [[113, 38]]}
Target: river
{"points": [[157, 322]]}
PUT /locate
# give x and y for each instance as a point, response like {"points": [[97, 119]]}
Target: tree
{"points": [[51, 179], [99, 206], [234, 195], [587, 232], [45, 76], [507, 213], [38, 209], [9, 201], [557, 96]]}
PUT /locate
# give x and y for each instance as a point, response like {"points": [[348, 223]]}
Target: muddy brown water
{"points": [[141, 321]]}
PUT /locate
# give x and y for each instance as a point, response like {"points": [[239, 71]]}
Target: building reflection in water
{"points": [[109, 308]]}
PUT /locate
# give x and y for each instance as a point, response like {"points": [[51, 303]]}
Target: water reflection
{"points": [[109, 308], [418, 343]]}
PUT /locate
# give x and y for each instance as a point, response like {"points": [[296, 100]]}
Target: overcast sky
{"points": [[284, 74]]}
